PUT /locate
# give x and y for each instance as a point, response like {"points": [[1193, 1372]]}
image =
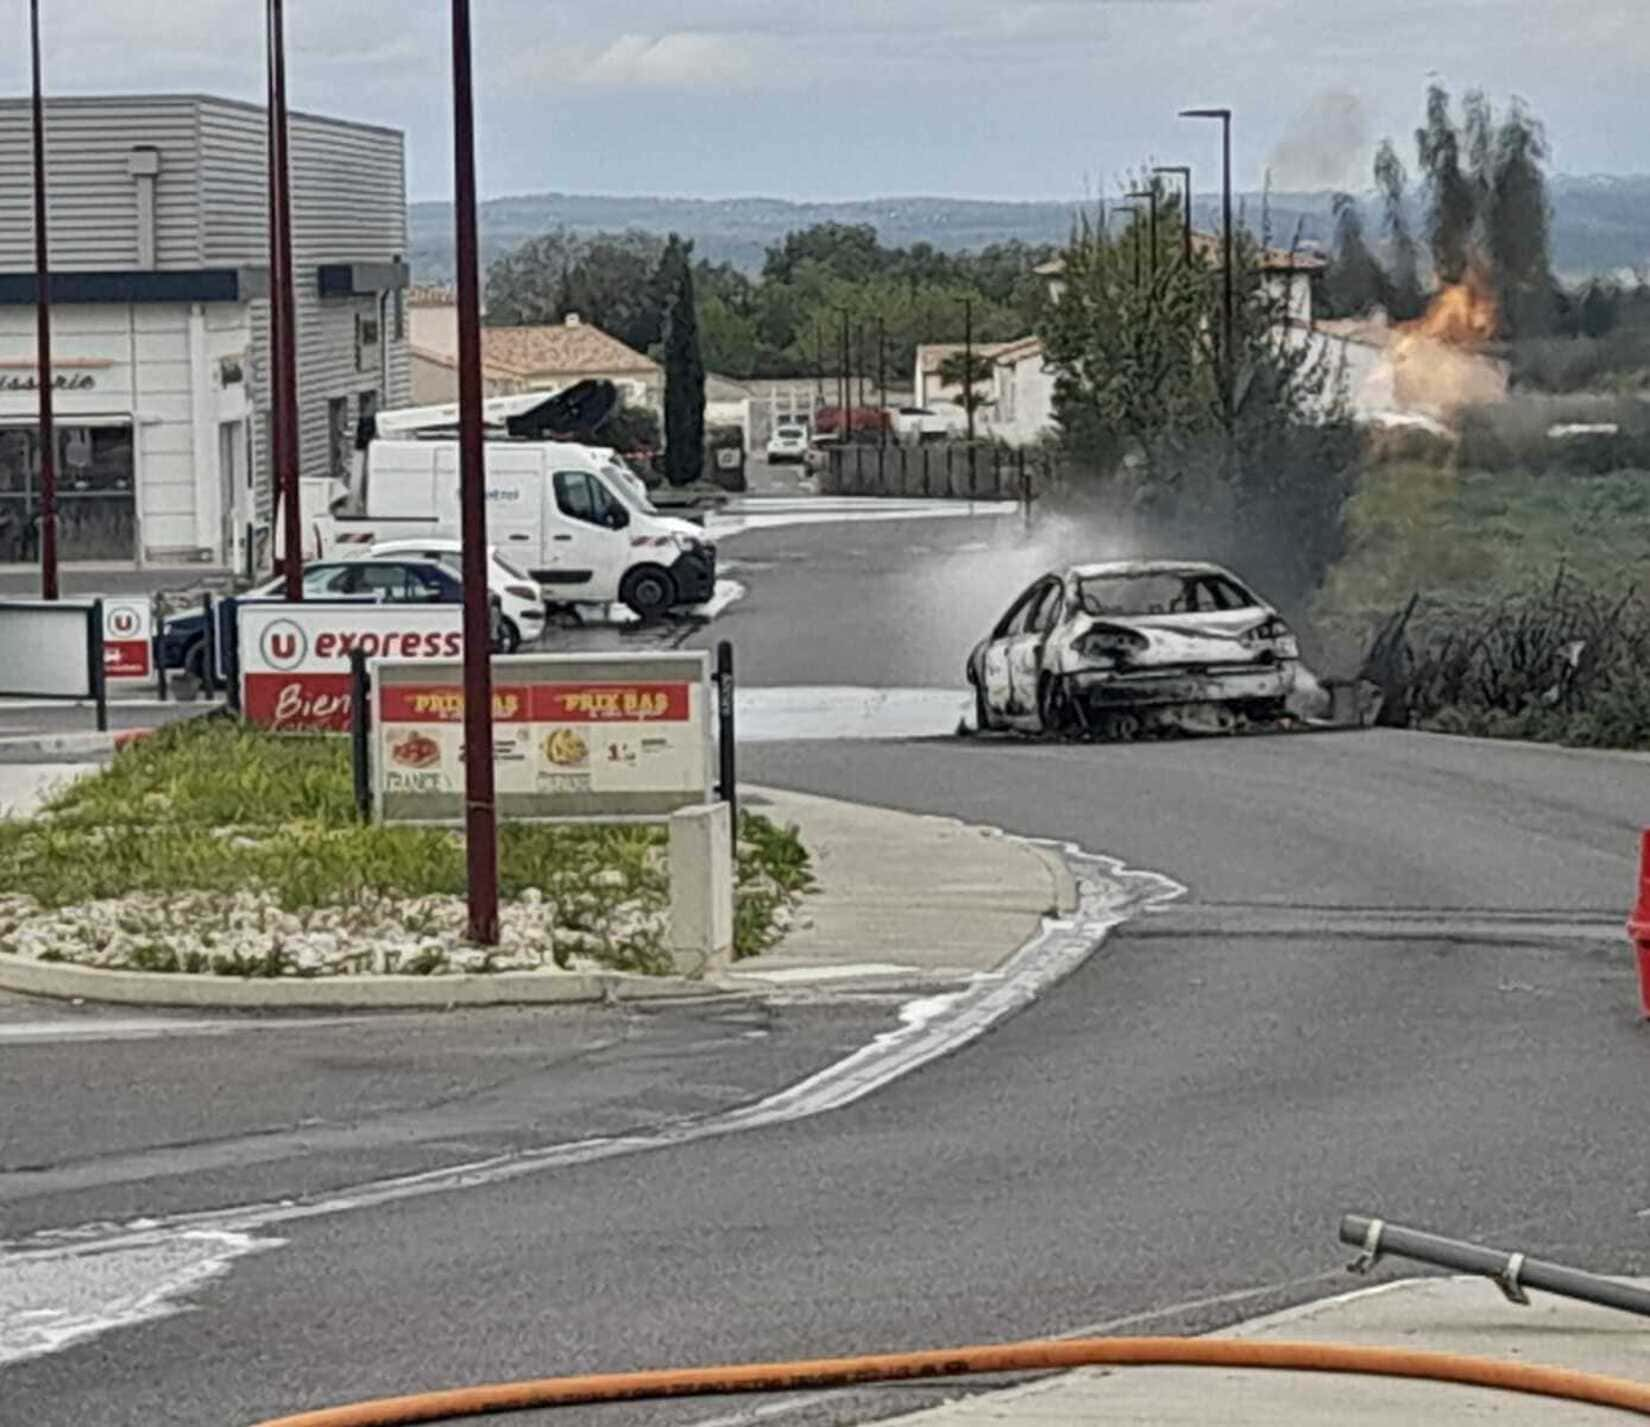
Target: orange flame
{"points": [[1463, 314]]}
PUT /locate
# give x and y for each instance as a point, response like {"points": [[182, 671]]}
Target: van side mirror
{"points": [[617, 517]]}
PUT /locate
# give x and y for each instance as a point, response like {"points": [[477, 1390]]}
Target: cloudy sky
{"points": [[855, 98]]}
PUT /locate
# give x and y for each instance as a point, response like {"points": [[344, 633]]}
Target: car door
{"points": [[995, 681], [1025, 648], [586, 549]]}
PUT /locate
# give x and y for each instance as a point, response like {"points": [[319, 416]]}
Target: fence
{"points": [[952, 471]]}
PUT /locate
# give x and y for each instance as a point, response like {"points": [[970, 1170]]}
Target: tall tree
{"points": [[684, 368], [1353, 284], [1404, 298], [969, 371], [604, 278], [1452, 202], [1518, 230]]}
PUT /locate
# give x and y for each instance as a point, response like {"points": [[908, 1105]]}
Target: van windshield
{"points": [[627, 485]]}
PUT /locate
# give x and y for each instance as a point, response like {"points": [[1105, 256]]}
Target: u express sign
{"points": [[295, 658]]}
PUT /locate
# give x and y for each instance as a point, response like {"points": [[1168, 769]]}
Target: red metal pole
{"points": [[43, 331], [283, 328], [480, 815]]}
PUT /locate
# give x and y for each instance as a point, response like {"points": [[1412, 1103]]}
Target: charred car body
{"points": [[1131, 648]]}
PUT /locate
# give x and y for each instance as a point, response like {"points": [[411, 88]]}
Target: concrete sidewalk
{"points": [[1450, 1315], [906, 896]]}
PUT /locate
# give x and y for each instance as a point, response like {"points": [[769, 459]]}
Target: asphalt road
{"points": [[1395, 984]]}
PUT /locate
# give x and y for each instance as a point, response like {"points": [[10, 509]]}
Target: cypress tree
{"points": [[684, 369]]}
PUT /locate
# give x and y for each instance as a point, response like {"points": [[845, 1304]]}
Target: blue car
{"points": [[181, 643]]}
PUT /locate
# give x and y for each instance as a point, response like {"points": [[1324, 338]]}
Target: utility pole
{"points": [[480, 812], [1185, 172], [968, 370], [842, 382], [819, 365], [43, 330], [859, 361], [283, 321], [882, 381]]}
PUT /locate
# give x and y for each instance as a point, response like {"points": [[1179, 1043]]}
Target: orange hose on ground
{"points": [[958, 1362]]}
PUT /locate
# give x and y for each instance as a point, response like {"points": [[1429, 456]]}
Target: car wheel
{"points": [[1053, 707], [648, 591], [509, 636]]}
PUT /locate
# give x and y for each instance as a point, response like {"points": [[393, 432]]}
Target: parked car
{"points": [[788, 443], [181, 642], [818, 455], [520, 600], [1135, 647]]}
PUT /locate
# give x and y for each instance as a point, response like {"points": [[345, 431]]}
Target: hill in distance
{"points": [[1600, 224]]}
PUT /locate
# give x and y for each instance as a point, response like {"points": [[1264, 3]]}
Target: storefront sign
{"points": [[63, 381], [128, 633], [574, 736], [294, 658]]}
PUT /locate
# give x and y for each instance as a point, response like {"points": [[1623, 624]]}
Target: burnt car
{"points": [[1130, 648]]}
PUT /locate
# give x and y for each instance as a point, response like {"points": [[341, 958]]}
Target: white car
{"points": [[788, 443], [521, 601], [1135, 647]]}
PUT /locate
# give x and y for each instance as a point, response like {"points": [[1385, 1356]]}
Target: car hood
{"points": [[1215, 638]]}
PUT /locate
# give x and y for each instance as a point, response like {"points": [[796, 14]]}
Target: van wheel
{"points": [[648, 591], [509, 636]]}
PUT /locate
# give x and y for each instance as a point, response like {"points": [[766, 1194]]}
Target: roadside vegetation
{"points": [[211, 847]]}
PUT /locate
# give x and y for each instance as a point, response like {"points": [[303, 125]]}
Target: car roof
{"points": [[444, 544], [1116, 569]]}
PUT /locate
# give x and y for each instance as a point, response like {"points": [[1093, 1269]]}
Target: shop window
{"points": [[97, 506]]}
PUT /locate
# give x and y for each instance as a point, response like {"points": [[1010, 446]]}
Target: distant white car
{"points": [[788, 443], [520, 600], [1133, 647]]}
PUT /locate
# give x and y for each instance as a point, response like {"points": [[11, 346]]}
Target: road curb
{"points": [[1059, 870], [65, 981], [68, 747]]}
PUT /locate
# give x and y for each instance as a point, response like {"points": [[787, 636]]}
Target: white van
{"points": [[557, 509]]}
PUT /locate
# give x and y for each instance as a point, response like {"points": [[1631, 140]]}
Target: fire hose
{"points": [[1034, 1356]]}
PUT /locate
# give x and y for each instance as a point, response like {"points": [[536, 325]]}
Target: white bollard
{"points": [[701, 888]]}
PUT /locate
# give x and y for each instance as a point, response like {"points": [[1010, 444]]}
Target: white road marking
{"points": [[65, 1286], [827, 711]]}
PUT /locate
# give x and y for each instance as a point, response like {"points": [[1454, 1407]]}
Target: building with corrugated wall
{"points": [[157, 213]]}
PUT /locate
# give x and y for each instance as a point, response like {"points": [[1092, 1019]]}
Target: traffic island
{"points": [[217, 852]]}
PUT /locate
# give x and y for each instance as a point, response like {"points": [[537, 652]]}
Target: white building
{"points": [[157, 210]]}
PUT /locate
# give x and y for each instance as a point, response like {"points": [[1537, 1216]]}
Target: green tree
{"points": [[1518, 230], [684, 368], [1452, 197], [606, 279], [1353, 283], [970, 371], [1142, 403], [1403, 290]]}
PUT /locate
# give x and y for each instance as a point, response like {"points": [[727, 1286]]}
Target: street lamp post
{"points": [[43, 330], [283, 336], [1134, 228], [1185, 172], [1150, 194], [1229, 317], [480, 812]]}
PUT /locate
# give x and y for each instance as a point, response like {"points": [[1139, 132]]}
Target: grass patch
{"points": [[211, 807], [1477, 536]]}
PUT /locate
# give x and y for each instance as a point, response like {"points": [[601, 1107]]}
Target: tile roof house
{"points": [[538, 358]]}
